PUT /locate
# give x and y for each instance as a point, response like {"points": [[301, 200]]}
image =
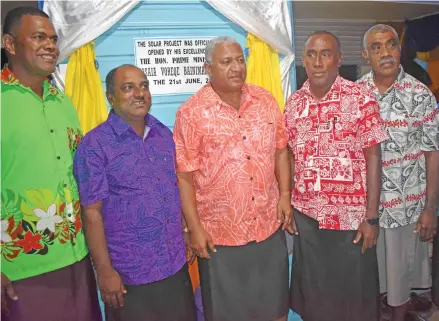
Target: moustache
{"points": [[386, 60]]}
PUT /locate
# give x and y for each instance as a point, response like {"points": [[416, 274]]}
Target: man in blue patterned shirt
{"points": [[132, 214]]}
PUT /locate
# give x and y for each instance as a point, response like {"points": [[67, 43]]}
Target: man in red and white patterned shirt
{"points": [[334, 131]]}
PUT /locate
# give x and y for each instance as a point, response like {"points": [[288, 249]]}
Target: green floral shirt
{"points": [[41, 228]]}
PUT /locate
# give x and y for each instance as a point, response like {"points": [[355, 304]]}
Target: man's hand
{"points": [[190, 254], [292, 228], [111, 287], [427, 225], [284, 210], [200, 240], [369, 234], [7, 290]]}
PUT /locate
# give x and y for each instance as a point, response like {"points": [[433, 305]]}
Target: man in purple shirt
{"points": [[131, 206]]}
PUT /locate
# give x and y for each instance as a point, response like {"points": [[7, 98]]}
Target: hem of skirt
{"points": [[393, 305]]}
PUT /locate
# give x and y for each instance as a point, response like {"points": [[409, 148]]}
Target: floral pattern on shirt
{"points": [[327, 137], [32, 222], [75, 137], [411, 118]]}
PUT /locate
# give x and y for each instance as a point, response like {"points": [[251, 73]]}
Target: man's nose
{"points": [[317, 62]]}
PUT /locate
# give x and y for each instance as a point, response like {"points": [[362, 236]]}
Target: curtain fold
{"points": [[84, 87], [268, 20], [263, 68], [79, 22]]}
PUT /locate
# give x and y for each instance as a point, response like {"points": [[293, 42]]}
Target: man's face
{"points": [[33, 45], [322, 60], [383, 53], [227, 70], [131, 99]]}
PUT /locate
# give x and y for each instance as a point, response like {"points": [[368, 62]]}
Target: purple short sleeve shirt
{"points": [[135, 179]]}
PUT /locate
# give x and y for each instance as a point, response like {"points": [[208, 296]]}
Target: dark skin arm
{"points": [[283, 176], [199, 239], [427, 222], [366, 231], [109, 282], [190, 254]]}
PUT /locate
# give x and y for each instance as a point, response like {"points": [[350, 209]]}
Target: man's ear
{"points": [[9, 44], [365, 56], [339, 59], [109, 98], [208, 69]]}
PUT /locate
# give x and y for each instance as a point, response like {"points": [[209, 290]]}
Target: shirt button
{"points": [[158, 178], [239, 116], [254, 218], [58, 157], [248, 157], [251, 178], [243, 137], [253, 198], [51, 130], [167, 221], [150, 158], [164, 198], [65, 185], [170, 241]]}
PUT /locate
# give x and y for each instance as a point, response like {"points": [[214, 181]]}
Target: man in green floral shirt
{"points": [[46, 271]]}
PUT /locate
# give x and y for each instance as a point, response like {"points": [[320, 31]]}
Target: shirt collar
{"points": [[120, 126], [336, 87], [398, 80], [8, 77], [212, 99]]}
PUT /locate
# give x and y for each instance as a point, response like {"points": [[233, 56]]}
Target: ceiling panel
{"points": [[362, 10]]}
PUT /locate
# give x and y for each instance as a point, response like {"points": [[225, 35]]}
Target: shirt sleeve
{"points": [[371, 129], [281, 134], [187, 144], [430, 126], [88, 169], [286, 118]]}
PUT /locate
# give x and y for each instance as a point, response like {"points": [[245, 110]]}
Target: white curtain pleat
{"points": [[79, 22]]}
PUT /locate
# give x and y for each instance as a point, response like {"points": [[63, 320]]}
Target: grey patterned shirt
{"points": [[411, 117]]}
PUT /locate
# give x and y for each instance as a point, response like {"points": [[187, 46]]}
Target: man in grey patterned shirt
{"points": [[410, 160]]}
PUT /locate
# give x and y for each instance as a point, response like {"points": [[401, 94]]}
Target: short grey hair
{"points": [[379, 28], [210, 47]]}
